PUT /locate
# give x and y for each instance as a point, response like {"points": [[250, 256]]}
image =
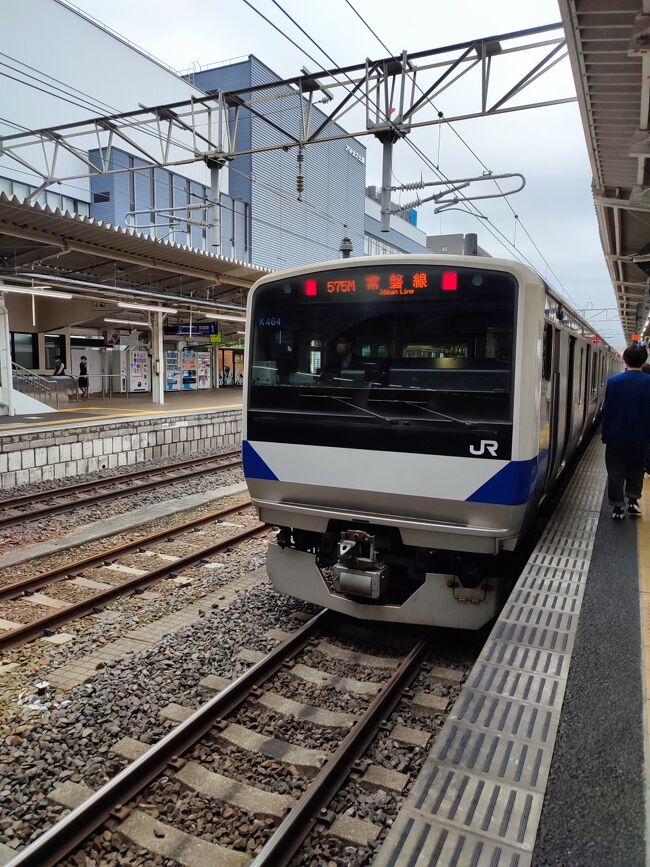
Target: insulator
{"points": [[300, 178]]}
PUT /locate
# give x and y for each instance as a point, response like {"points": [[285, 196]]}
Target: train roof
{"points": [[488, 263]]}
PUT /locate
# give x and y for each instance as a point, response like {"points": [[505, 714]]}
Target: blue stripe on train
{"points": [[254, 466], [511, 486]]}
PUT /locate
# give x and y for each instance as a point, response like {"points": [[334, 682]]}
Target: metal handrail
{"points": [[32, 384], [58, 381]]}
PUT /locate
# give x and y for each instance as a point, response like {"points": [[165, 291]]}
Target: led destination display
{"points": [[382, 282]]}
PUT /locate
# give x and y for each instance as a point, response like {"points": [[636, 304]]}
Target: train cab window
{"points": [[547, 351], [408, 341]]}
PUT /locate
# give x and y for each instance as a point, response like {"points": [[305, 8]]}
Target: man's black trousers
{"points": [[625, 471]]}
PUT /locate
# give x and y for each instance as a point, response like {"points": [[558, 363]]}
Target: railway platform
{"points": [[124, 407], [542, 760], [107, 434]]}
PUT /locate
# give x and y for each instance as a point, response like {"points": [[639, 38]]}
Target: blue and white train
{"points": [[404, 417]]}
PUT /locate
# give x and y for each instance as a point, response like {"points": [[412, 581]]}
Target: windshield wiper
{"points": [[471, 424], [354, 406]]}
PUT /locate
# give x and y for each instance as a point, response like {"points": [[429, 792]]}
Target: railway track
{"points": [[16, 510], [122, 805], [94, 601]]}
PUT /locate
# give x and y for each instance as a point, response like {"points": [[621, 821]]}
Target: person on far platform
{"points": [[83, 377], [626, 432]]}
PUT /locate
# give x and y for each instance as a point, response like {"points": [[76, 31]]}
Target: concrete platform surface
{"points": [[541, 762], [98, 409]]}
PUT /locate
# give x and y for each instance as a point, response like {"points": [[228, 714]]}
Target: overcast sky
{"points": [[546, 145]]}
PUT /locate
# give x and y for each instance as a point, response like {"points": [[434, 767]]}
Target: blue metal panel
{"points": [[113, 210], [197, 195], [227, 237], [241, 230], [143, 195], [162, 198], [402, 242], [181, 197], [233, 77], [286, 232]]}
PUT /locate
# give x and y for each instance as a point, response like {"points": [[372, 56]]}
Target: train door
{"points": [[550, 401], [578, 393], [570, 398], [559, 415], [547, 406], [586, 391]]}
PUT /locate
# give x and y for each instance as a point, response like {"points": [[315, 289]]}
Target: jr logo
{"points": [[489, 446]]}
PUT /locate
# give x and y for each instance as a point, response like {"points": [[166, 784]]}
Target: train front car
{"points": [[381, 436]]}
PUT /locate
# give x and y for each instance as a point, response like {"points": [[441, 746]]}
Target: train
{"points": [[404, 418]]}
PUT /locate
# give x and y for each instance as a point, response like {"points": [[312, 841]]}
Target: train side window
{"points": [[581, 382], [547, 357], [594, 373]]}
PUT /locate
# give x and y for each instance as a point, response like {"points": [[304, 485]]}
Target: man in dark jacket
{"points": [[626, 432]]}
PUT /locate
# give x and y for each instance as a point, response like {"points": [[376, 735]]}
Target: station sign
{"points": [[197, 329]]}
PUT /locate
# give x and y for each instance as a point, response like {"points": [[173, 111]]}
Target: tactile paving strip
{"points": [[478, 798]]}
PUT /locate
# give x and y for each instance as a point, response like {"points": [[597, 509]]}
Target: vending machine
{"points": [[172, 370], [139, 370], [189, 370], [203, 370], [131, 370]]}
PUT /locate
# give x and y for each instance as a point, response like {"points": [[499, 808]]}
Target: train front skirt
{"points": [[439, 601]]}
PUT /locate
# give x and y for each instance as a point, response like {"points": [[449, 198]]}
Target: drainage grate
{"points": [[478, 798]]}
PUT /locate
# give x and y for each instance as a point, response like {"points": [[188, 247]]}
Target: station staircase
{"points": [[31, 393]]}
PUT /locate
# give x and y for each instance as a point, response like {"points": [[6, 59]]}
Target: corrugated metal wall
{"points": [[158, 187], [402, 242], [112, 211], [233, 77], [283, 231], [287, 232]]}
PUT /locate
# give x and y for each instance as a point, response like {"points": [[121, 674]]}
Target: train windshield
{"points": [[388, 342]]}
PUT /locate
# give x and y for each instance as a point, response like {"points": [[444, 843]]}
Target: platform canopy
{"points": [[94, 259], [609, 46]]}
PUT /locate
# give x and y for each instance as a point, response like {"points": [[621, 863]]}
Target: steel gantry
{"points": [[395, 93]]}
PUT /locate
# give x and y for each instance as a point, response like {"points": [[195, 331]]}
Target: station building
{"points": [[262, 221]]}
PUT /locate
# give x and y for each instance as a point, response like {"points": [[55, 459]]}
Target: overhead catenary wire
{"points": [[269, 186], [206, 200], [161, 183], [102, 105], [474, 154], [500, 237]]}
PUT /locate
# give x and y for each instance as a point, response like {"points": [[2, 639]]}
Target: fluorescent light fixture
{"points": [[129, 305], [36, 291], [224, 317], [128, 322]]}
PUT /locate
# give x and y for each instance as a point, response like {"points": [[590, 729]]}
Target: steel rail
{"points": [[28, 631], [296, 825], [25, 499], [73, 829], [55, 508], [18, 588]]}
